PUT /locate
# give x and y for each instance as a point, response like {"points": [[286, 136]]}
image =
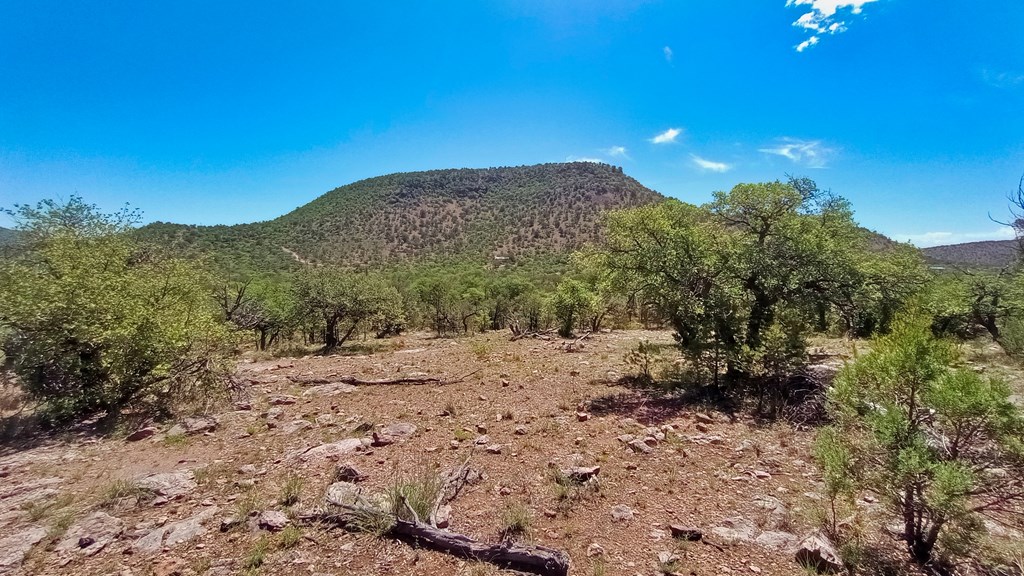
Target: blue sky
{"points": [[224, 112]]}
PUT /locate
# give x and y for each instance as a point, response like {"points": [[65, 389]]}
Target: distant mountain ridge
{"points": [[488, 213], [986, 254]]}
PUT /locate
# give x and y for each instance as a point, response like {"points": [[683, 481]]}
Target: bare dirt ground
{"points": [[73, 505]]}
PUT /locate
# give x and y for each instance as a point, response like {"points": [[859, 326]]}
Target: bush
{"points": [[97, 323], [944, 445]]}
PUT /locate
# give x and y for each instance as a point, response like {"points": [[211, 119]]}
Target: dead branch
{"points": [[453, 483], [571, 346], [356, 381]]}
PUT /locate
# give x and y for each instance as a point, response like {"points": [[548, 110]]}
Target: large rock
{"points": [[273, 520], [14, 547], [332, 451], [193, 425], [735, 530], [776, 540], [399, 430], [329, 390], [91, 535], [345, 494], [815, 551], [169, 484], [175, 532]]}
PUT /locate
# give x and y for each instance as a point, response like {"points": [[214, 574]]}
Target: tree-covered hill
{"points": [[483, 214], [7, 236], [989, 254]]}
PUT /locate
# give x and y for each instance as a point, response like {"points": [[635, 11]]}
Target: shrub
{"points": [[944, 445], [98, 323]]}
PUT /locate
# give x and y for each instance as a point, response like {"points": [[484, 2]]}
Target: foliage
{"points": [[644, 358], [98, 323], [573, 304], [744, 278], [941, 444], [343, 301]]}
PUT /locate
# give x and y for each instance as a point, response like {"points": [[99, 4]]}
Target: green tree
{"points": [[943, 445], [573, 304], [344, 301], [97, 323]]}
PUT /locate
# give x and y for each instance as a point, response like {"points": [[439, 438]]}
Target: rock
{"points": [[273, 520], [169, 484], [381, 440], [281, 400], [347, 472], [521, 431], [704, 418], [702, 428], [549, 513], [776, 540], [762, 475], [622, 513], [582, 416], [626, 438], [639, 446], [735, 530], [666, 558], [275, 413], [345, 494], [815, 551], [331, 451], [399, 430], [685, 532], [581, 473], [329, 390], [595, 550], [296, 426], [778, 515], [193, 425], [494, 449], [243, 405], [443, 517], [481, 440], [174, 533], [651, 441], [16, 545], [95, 532], [481, 428], [141, 434]]}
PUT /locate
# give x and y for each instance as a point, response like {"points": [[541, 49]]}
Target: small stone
{"points": [[688, 533], [595, 550], [481, 440], [582, 416], [381, 440], [549, 513], [141, 434], [281, 400], [272, 520], [521, 431], [622, 513], [347, 472], [504, 383], [702, 428], [494, 449], [704, 418], [481, 428], [443, 517], [639, 446], [193, 425], [581, 473]]}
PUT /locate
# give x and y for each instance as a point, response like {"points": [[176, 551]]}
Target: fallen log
{"points": [[534, 559], [356, 381]]}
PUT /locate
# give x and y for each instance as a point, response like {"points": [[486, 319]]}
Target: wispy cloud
{"points": [[668, 136], [810, 153], [823, 18], [667, 51], [617, 151], [1001, 79], [710, 165], [583, 159], [927, 239]]}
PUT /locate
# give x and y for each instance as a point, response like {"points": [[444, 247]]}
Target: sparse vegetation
{"points": [[515, 521], [291, 490]]}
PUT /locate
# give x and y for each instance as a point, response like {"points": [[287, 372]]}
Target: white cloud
{"points": [[807, 44], [1001, 79], [616, 151], [583, 159], [810, 153], [668, 136], [668, 53], [823, 18], [710, 165], [927, 239]]}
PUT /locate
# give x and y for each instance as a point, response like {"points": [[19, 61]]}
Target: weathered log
{"points": [[524, 558], [452, 484]]}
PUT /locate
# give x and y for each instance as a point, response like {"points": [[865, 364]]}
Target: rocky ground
{"points": [[232, 492]]}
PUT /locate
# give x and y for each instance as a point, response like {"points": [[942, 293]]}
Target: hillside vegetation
{"points": [[482, 214], [988, 254]]}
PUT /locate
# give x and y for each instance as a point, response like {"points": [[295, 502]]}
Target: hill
{"points": [[988, 254], [7, 236], [491, 213]]}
